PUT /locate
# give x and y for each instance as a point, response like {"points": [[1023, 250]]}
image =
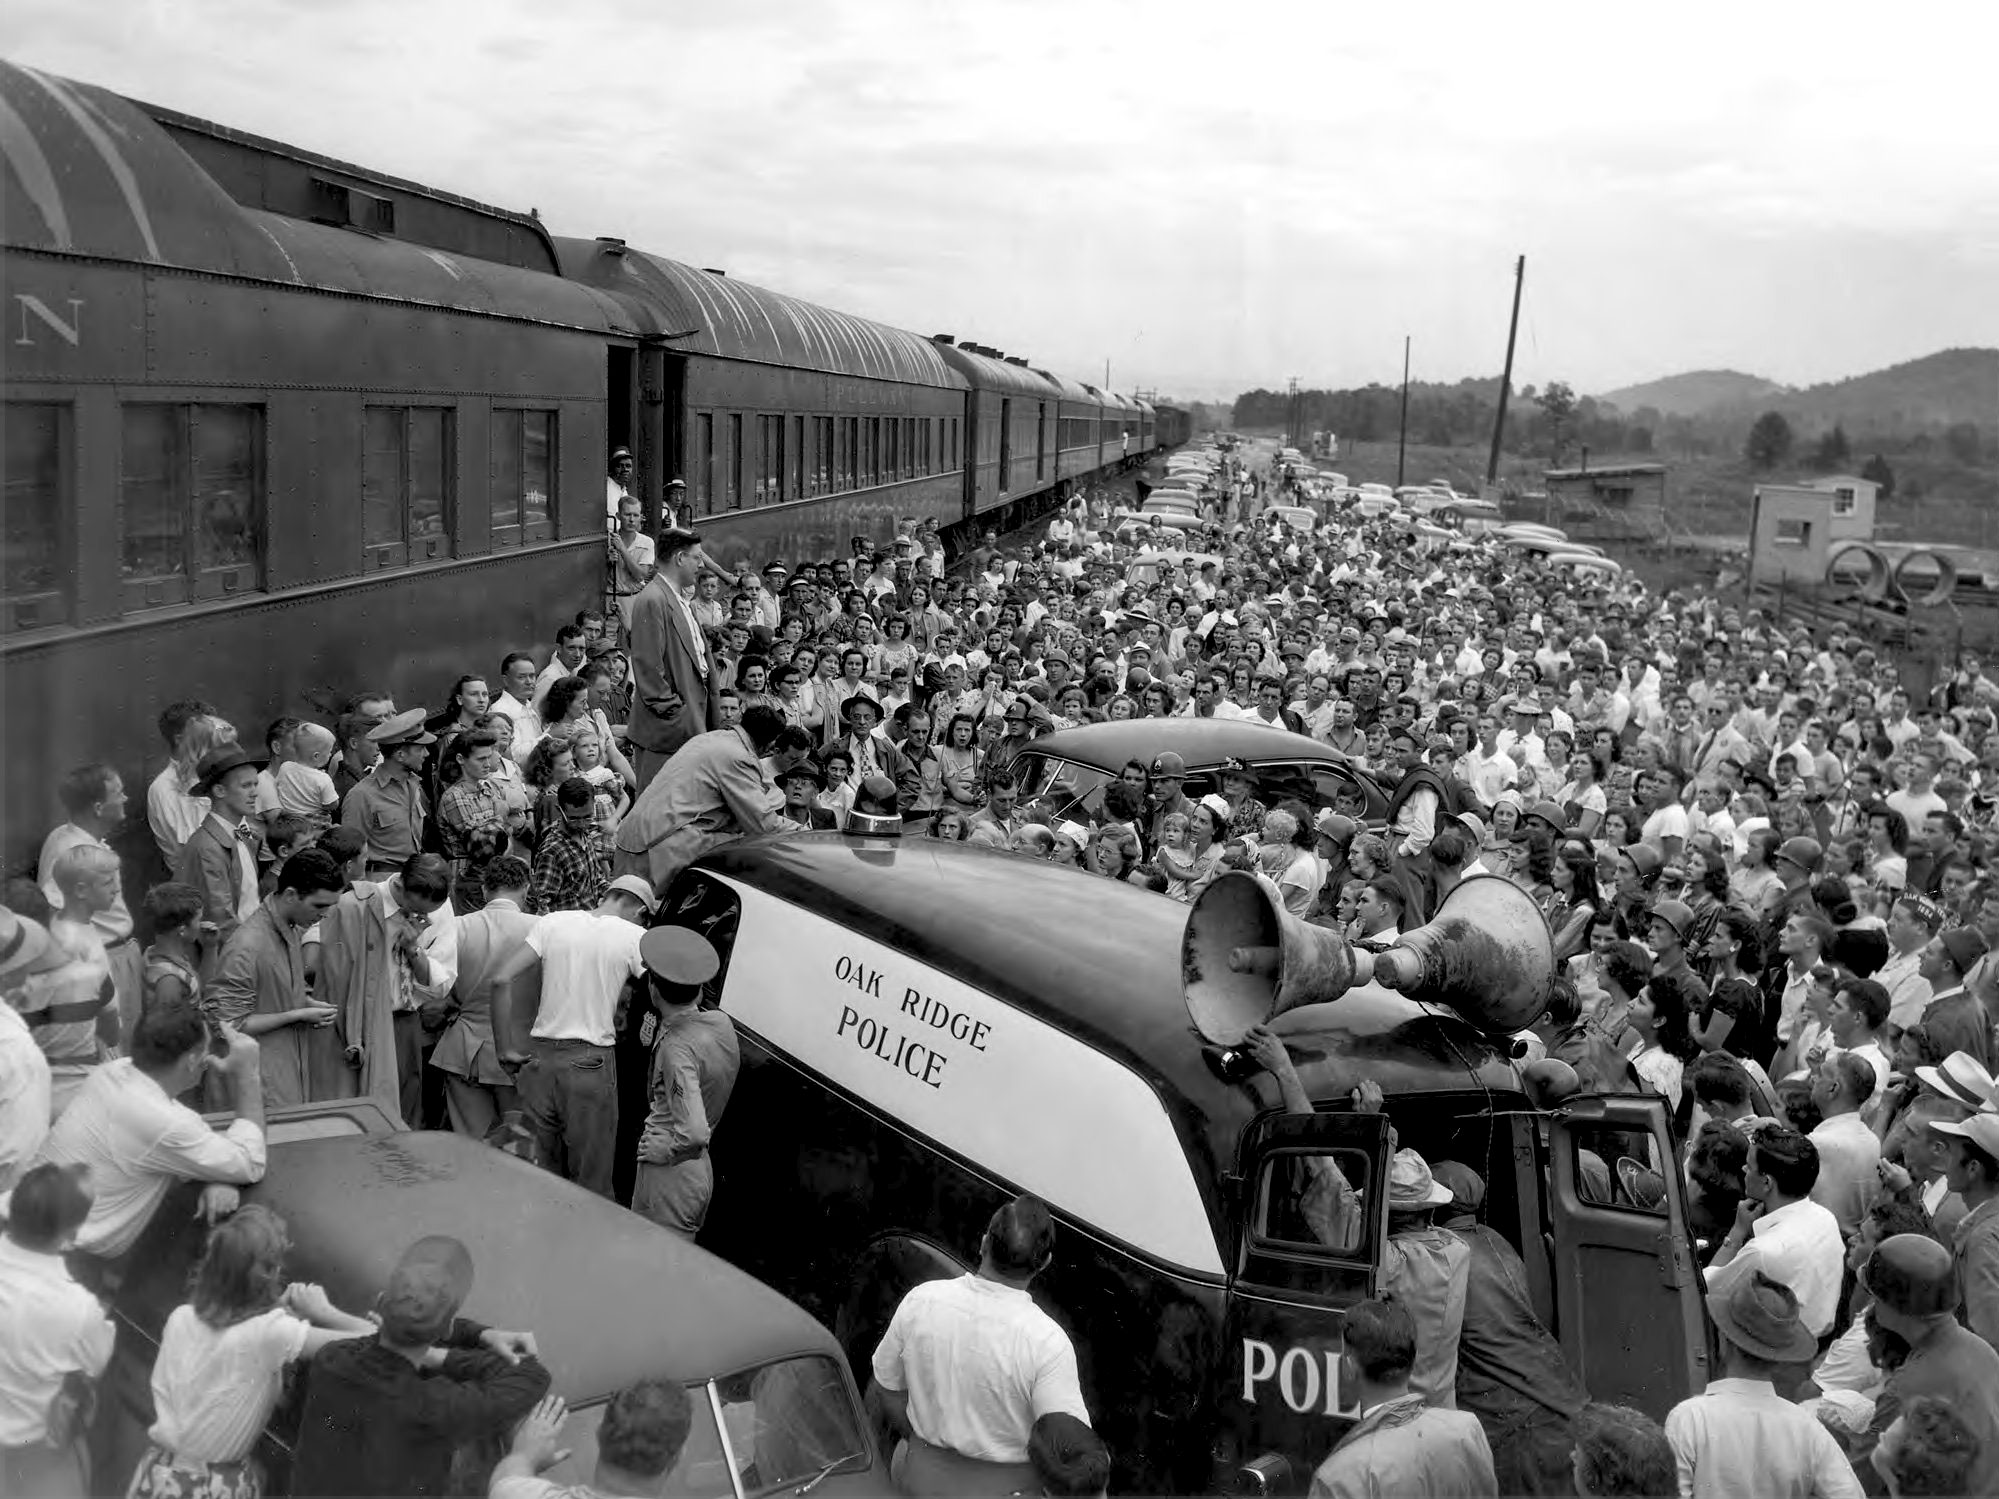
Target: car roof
{"points": [[610, 1297], [1199, 741], [1100, 959]]}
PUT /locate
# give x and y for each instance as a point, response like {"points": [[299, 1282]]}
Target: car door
{"points": [[1302, 1259], [1629, 1301]]}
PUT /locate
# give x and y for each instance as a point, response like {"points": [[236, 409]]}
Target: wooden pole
{"points": [[1402, 439], [1506, 375]]}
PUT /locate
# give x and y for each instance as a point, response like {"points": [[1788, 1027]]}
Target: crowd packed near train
{"points": [[1766, 866]]}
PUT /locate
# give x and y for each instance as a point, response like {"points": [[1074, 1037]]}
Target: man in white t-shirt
{"points": [[566, 1064], [1666, 820], [968, 1365]]}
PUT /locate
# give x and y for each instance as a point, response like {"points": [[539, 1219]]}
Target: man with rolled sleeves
{"points": [[694, 1065], [387, 808]]}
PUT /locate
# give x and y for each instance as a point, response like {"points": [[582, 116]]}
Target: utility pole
{"points": [[1291, 414], [1506, 376], [1402, 437]]}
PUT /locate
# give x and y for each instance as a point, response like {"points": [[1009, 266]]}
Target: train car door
{"points": [[1628, 1293], [1311, 1216]]}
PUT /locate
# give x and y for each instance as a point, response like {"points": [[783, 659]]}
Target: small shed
{"points": [[1616, 501]]}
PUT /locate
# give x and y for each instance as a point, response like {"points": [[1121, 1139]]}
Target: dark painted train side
{"points": [[278, 428]]}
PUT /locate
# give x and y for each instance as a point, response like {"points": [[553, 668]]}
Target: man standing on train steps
{"points": [[967, 1367], [669, 653]]}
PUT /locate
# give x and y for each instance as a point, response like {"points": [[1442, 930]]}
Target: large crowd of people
{"points": [[1766, 856]]}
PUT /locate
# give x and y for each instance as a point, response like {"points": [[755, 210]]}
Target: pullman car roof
{"points": [[1073, 392], [702, 313], [89, 173], [610, 1297], [1101, 960], [986, 373]]}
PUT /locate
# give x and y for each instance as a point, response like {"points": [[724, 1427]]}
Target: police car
{"points": [[929, 1029]]}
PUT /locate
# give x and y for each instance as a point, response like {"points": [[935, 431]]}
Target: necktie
{"points": [[245, 833]]}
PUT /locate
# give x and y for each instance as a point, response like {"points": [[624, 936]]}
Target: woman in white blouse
{"points": [[222, 1362]]}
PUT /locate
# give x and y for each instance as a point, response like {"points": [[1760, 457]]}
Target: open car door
{"points": [[1312, 1213], [1628, 1295]]}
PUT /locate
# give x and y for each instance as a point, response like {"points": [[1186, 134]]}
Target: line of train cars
{"points": [[278, 427]]}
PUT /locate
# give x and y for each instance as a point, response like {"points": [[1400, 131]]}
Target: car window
{"points": [[1313, 1199], [785, 1422]]}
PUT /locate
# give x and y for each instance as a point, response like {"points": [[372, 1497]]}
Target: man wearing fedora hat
{"points": [[1740, 1439], [1970, 1156], [860, 719], [220, 857]]}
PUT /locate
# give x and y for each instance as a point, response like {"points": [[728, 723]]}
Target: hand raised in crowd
{"points": [[242, 1053], [535, 1438]]}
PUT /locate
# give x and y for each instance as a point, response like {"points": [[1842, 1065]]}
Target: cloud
{"points": [[1210, 197]]}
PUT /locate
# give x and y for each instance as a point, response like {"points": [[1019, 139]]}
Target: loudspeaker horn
{"points": [[1925, 577], [1855, 564], [1488, 954]]}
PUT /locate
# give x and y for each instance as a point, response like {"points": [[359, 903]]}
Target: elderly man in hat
{"points": [[388, 808], [1739, 1438], [694, 1064], [386, 1415], [220, 857], [873, 754]]}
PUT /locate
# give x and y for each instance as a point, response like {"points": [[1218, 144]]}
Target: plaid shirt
{"points": [[570, 873], [468, 807]]}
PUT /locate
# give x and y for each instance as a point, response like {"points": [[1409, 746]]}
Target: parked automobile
{"points": [[610, 1297]]}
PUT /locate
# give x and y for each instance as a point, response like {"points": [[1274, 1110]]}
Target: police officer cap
{"points": [[1912, 1274], [674, 955], [407, 727]]}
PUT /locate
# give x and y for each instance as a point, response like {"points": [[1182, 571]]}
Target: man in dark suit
{"points": [[670, 661]]}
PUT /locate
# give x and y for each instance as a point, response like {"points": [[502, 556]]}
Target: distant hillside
{"points": [[1927, 394], [1955, 385], [1696, 393]]}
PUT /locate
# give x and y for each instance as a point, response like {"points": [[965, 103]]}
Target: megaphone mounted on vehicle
{"points": [[1244, 960]]}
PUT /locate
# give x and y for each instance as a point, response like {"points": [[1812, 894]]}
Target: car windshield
{"points": [[783, 1425]]}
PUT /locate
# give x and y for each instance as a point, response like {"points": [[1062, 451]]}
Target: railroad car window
{"points": [[871, 471], [822, 456], [892, 454], [1313, 1199], [191, 492], [405, 484], [798, 457], [523, 475], [850, 456], [33, 575]]}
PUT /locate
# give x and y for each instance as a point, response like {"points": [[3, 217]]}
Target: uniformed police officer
{"points": [[387, 807], [694, 1064]]}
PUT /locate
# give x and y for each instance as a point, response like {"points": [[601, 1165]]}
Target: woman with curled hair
{"points": [[222, 1361]]}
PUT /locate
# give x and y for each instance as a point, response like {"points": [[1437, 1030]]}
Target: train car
{"points": [[1120, 429], [1076, 450], [276, 429], [795, 427], [1011, 462], [1148, 421], [1172, 425]]}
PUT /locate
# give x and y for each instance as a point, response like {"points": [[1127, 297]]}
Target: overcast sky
{"points": [[1210, 197]]}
